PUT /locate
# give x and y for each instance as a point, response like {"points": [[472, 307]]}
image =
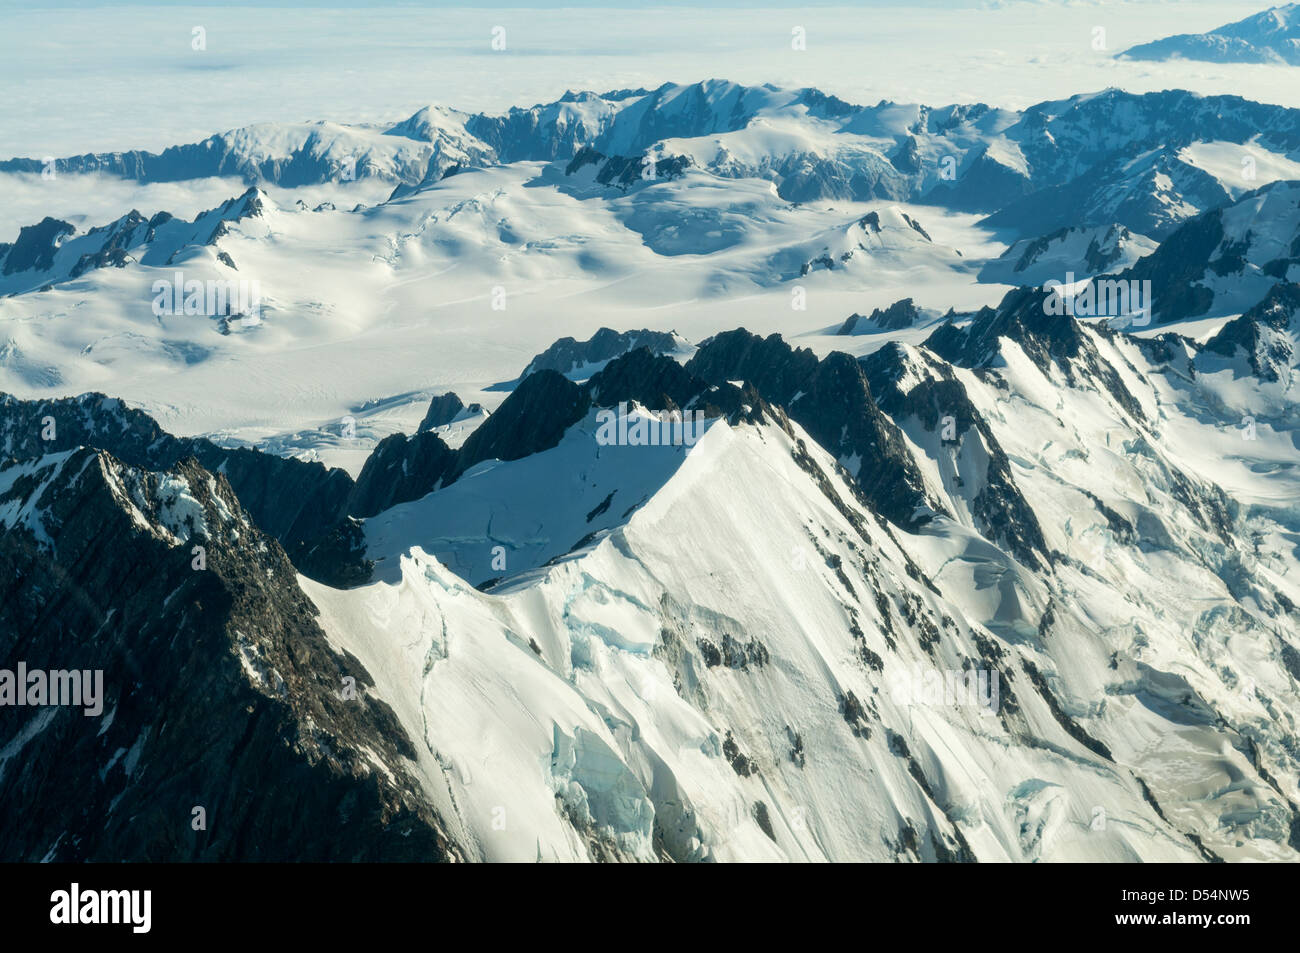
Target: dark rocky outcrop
{"points": [[907, 158], [832, 400], [1176, 267], [399, 469], [127, 239], [338, 558], [1049, 340], [623, 172], [651, 380], [1260, 333], [533, 418], [292, 500], [34, 250], [770, 364], [442, 411], [899, 315], [1000, 509], [220, 690], [403, 468], [660, 383], [567, 355]]}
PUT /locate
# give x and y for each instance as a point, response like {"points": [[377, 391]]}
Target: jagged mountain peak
{"points": [[1267, 334], [578, 360], [1054, 341], [770, 363], [290, 499], [901, 314], [1083, 251], [831, 399], [54, 252], [1224, 260], [202, 638], [590, 598]]}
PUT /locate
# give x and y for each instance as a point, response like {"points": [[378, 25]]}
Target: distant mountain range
{"points": [[1100, 159], [1272, 36]]}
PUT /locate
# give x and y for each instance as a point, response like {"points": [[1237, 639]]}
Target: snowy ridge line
{"points": [[1271, 36], [968, 157], [974, 503]]}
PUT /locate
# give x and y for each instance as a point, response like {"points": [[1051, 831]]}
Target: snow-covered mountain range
{"points": [[728, 204], [810, 144], [727, 648], [1272, 36], [703, 473]]}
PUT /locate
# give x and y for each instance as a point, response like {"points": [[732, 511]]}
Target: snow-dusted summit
{"points": [[1272, 36]]}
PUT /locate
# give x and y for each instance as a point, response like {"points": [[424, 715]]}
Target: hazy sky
{"points": [[112, 77]]}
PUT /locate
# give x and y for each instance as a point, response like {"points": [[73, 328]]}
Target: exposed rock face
{"points": [[1048, 340], [404, 468], [442, 411], [1068, 353], [1078, 251], [400, 468], [532, 418], [900, 314], [52, 251], [316, 155], [887, 237], [1262, 334], [1151, 193], [1176, 267], [871, 223], [566, 355], [933, 396], [292, 500], [770, 364], [1109, 157], [651, 380], [831, 399], [986, 185], [623, 172], [907, 159], [114, 241], [854, 323], [807, 177], [303, 505], [535, 133], [223, 679], [35, 247], [220, 690], [1225, 260], [337, 558], [657, 382]]}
